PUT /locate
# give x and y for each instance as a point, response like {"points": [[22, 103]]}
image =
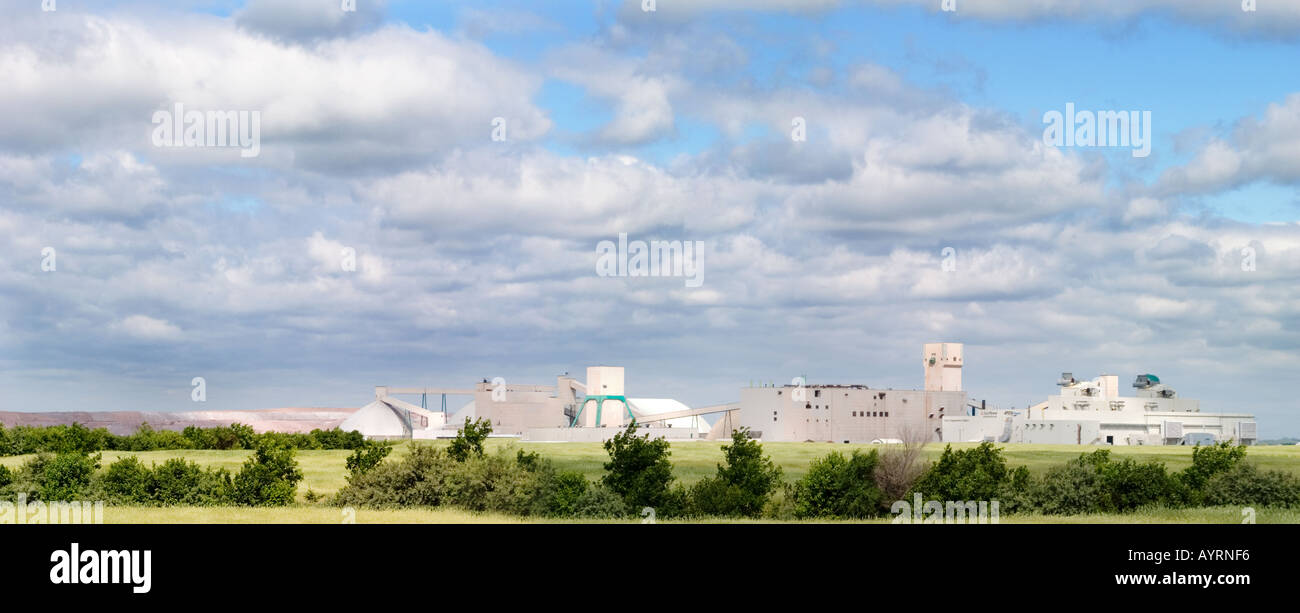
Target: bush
{"points": [[178, 482], [269, 478], [1127, 485], [711, 496], [1245, 485], [66, 476], [367, 456], [78, 438], [1207, 462], [469, 439], [743, 485], [979, 473], [429, 476], [338, 439], [600, 502], [638, 470], [146, 438], [492, 483], [780, 506], [559, 495], [128, 480], [1017, 492], [1095, 483], [416, 480], [836, 486], [1070, 489]]}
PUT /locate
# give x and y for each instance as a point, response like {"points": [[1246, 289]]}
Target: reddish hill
{"points": [[294, 419]]}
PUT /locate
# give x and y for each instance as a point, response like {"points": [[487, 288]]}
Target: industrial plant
{"points": [[1090, 412]]}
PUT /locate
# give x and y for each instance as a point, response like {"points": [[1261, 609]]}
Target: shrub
{"points": [[469, 439], [979, 473], [146, 438], [338, 439], [531, 460], [744, 484], [492, 483], [417, 480], [6, 476], [1244, 485], [1127, 485], [836, 486], [429, 476], [75, 437], [638, 470], [560, 494], [711, 496], [176, 482], [600, 502], [900, 466], [1096, 483], [269, 478], [1207, 462], [1016, 493], [128, 480], [367, 456], [66, 476], [245, 437], [1069, 489], [781, 505]]}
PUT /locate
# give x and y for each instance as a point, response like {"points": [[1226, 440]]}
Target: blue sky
{"points": [[475, 257], [1193, 78]]}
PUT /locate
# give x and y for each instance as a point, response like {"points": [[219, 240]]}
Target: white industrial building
{"points": [[858, 413], [563, 412], [1094, 413], [1085, 412]]}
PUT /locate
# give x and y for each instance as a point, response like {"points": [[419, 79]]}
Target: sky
{"points": [[432, 184]]}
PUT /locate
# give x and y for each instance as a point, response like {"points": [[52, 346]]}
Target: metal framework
{"points": [[600, 403]]}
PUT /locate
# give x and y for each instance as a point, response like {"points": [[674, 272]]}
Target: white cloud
{"points": [[306, 20], [389, 96], [144, 327]]}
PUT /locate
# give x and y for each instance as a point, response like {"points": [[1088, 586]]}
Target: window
{"points": [[855, 413], [817, 393]]}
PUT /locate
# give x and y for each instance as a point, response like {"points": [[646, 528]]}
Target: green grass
{"points": [[324, 473], [317, 514]]}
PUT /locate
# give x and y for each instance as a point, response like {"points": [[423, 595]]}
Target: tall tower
{"points": [[942, 367], [605, 404]]}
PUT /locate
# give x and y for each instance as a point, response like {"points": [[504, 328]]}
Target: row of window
{"points": [[855, 414]]}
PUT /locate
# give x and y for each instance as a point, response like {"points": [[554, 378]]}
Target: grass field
{"points": [[324, 473], [318, 514]]}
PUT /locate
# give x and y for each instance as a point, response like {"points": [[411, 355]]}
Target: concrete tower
{"points": [[605, 404], [942, 367]]}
